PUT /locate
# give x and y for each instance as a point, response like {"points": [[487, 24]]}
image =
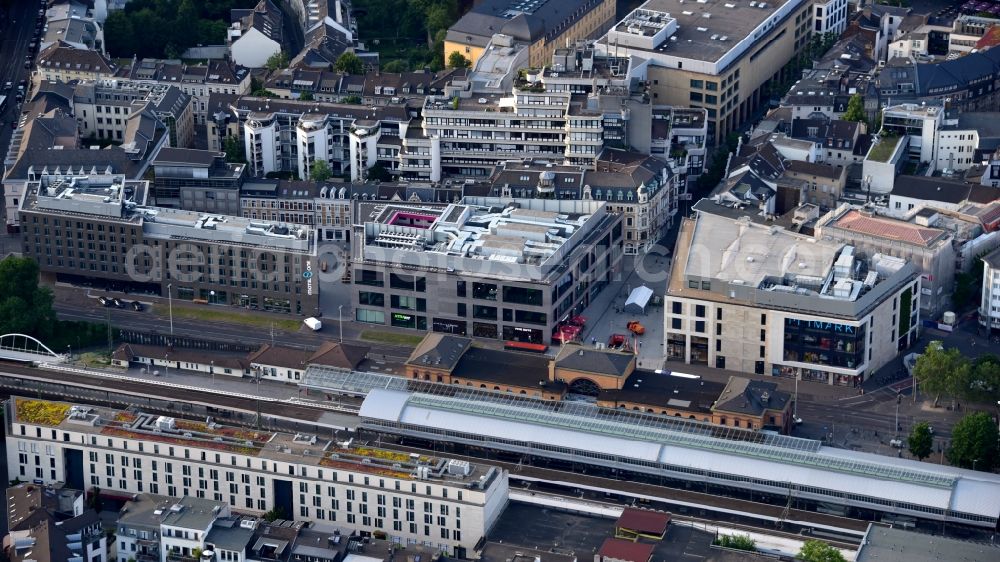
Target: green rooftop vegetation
{"points": [[884, 148]]}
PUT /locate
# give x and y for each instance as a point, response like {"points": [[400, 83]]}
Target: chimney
{"points": [[765, 397]]}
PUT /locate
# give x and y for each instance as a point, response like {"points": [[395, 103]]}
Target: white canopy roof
{"points": [[638, 300]]}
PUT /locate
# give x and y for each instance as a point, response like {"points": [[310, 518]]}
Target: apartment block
{"points": [[61, 62], [102, 109], [100, 229], [198, 81], [496, 268], [716, 54], [755, 297], [410, 499]]}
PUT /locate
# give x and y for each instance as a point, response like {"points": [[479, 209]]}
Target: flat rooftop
{"points": [[519, 233], [102, 195], [704, 30], [889, 544], [727, 259], [179, 224], [297, 448]]}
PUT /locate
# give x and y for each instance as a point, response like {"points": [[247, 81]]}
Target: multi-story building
{"points": [[545, 26], [489, 267], [198, 81], [48, 147], [921, 243], [255, 34], [758, 298], [829, 16], [102, 109], [99, 228], [411, 499], [289, 135], [716, 54], [72, 23], [567, 112], [989, 302], [642, 188], [60, 62], [50, 523], [197, 180]]}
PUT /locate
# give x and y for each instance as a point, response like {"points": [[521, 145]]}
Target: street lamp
{"points": [[974, 461], [340, 321], [211, 369], [170, 305], [211, 297], [166, 364]]}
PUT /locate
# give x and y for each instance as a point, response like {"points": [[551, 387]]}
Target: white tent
{"points": [[638, 300]]}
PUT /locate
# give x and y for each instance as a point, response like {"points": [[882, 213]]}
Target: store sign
{"points": [[402, 317], [308, 276], [819, 325]]}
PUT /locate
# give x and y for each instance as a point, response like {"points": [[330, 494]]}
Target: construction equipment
{"points": [[636, 328]]}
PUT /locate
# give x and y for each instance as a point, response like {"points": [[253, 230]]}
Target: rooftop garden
{"points": [[41, 412], [176, 439], [381, 454], [883, 149], [191, 433], [332, 461]]}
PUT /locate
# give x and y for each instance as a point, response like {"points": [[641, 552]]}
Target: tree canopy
{"points": [[349, 63], [819, 551], [974, 443], [25, 308], [409, 34], [320, 171], [946, 372], [458, 60], [856, 110], [921, 441], [235, 152], [277, 61], [166, 28]]}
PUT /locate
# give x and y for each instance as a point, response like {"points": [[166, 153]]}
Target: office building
{"points": [[197, 180], [543, 25], [716, 54], [989, 305], [920, 242], [761, 299], [495, 268], [445, 503], [207, 258]]}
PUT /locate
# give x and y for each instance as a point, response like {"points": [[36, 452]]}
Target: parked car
{"points": [[8, 86], [117, 303], [105, 301], [137, 306]]}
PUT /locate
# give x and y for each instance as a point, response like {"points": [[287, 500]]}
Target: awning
{"points": [[638, 300]]}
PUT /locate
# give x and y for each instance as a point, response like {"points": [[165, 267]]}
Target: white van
{"points": [[313, 323]]}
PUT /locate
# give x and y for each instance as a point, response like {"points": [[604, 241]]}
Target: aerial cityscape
{"points": [[500, 280]]}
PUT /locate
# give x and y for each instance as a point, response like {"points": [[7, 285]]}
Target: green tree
{"points": [[276, 513], [277, 61], [119, 33], [940, 371], [395, 66], [856, 110], [378, 172], [320, 171], [235, 152], [306, 96], [354, 99], [974, 443], [25, 307], [819, 551], [349, 63], [921, 441], [458, 60]]}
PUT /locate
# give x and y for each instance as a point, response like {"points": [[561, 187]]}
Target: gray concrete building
{"points": [[197, 180], [495, 268]]}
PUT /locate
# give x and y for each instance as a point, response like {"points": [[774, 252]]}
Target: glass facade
{"points": [[824, 343]]}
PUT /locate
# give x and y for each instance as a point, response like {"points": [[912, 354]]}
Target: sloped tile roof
{"points": [[891, 229]]}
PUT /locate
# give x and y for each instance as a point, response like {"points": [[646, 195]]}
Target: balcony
{"points": [[176, 557]]}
